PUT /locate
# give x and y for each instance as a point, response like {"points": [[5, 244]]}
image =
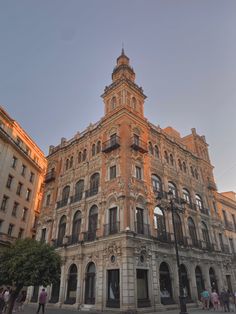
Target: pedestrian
{"points": [[20, 301], [42, 300], [215, 300], [205, 299], [6, 297], [2, 303], [224, 296], [23, 298]]}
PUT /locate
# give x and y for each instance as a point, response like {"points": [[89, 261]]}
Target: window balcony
{"points": [[91, 192], [142, 228], [76, 198], [165, 237], [90, 236], [139, 145], [111, 228], [111, 144], [50, 176], [62, 203], [206, 246], [73, 239]]}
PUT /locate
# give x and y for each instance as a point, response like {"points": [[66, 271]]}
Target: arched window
{"points": [[178, 229], [166, 156], [71, 285], [93, 150], [165, 284], [171, 160], [139, 221], [71, 161], [79, 157], [94, 183], [133, 103], [90, 284], [67, 164], [92, 225], [205, 235], [185, 282], [65, 195], [180, 164], [98, 147], [199, 281], [61, 230], [79, 189], [159, 224], [192, 232], [76, 226], [156, 151], [184, 167], [199, 203], [172, 188], [150, 148], [186, 196], [84, 155], [156, 183], [113, 103]]}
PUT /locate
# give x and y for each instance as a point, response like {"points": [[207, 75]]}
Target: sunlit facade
{"points": [[22, 170], [105, 210]]}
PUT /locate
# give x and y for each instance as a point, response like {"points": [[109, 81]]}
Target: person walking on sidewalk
{"points": [[42, 300]]}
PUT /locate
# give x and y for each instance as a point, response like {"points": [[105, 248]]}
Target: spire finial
{"points": [[122, 51]]}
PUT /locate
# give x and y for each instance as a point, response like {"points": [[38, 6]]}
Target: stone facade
{"points": [[107, 211], [22, 169]]}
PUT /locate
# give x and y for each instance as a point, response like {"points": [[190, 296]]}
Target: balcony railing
{"points": [[111, 228], [111, 144], [203, 210], [73, 239], [50, 176], [142, 228], [91, 192], [139, 145], [76, 198], [165, 237], [90, 236], [205, 245], [62, 203]]}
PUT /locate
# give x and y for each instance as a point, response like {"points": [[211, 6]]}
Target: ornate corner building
{"points": [[105, 209], [22, 170]]}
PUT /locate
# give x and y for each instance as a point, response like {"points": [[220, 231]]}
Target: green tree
{"points": [[28, 263]]}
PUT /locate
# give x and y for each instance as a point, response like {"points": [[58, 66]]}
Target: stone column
{"points": [[206, 277], [174, 279], [155, 283], [62, 285], [192, 282]]}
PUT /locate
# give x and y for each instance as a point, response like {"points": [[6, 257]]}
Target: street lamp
{"points": [[171, 204]]}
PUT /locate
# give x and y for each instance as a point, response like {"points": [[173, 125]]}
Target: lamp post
{"points": [[174, 207]]}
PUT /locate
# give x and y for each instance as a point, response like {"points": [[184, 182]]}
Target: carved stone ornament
{"points": [[112, 249]]}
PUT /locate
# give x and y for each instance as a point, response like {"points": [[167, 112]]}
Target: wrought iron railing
{"points": [[111, 144], [111, 228], [139, 145]]}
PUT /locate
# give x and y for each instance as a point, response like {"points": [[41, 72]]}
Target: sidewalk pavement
{"points": [[31, 309]]}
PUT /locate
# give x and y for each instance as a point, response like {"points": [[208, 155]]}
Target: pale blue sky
{"points": [[57, 56]]}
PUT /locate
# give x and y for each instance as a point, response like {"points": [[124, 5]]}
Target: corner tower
{"points": [[123, 91]]}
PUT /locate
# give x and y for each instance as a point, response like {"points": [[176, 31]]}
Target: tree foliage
{"points": [[29, 263]]}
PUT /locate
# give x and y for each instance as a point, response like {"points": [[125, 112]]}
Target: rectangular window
{"points": [[231, 242], [113, 220], [221, 242], [136, 139], [14, 210], [113, 288], [23, 170], [31, 177], [113, 139], [14, 162], [9, 181], [20, 234], [138, 173], [24, 213], [225, 217], [4, 202], [139, 221], [28, 194], [48, 199], [234, 221], [1, 223], [19, 188], [10, 229], [43, 235], [112, 172]]}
